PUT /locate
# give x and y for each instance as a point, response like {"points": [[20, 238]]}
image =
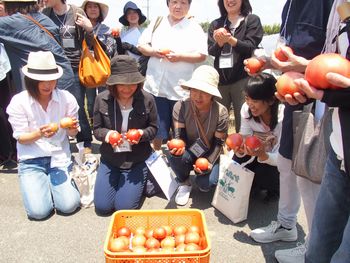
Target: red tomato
{"points": [[179, 239], [117, 245], [114, 137], [202, 164], [164, 51], [133, 135], [159, 233], [140, 230], [180, 230], [66, 123], [138, 240], [285, 83], [254, 65], [168, 242], [176, 144], [252, 142], [180, 247], [192, 237], [152, 243], [53, 127], [125, 239], [123, 231], [139, 249], [149, 233], [234, 140], [192, 247], [320, 65], [115, 32], [280, 55], [194, 228], [168, 230]]}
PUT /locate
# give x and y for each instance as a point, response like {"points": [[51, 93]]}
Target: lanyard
{"points": [[206, 133]]}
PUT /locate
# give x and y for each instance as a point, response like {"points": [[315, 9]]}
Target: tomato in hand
{"points": [[254, 65], [53, 127], [202, 164], [114, 138], [234, 140], [285, 83], [133, 135], [66, 123], [252, 142], [320, 65], [164, 51], [176, 144], [280, 55]]}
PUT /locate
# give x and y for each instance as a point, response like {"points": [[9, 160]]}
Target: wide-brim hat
{"points": [[133, 6], [42, 66], [124, 70], [205, 78], [103, 7]]}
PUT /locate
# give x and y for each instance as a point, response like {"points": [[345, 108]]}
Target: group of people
{"points": [[176, 99]]}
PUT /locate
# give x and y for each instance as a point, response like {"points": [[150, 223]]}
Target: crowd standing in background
{"points": [[173, 94]]}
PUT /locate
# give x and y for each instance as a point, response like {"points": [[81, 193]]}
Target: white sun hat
{"points": [[103, 7], [42, 66], [204, 78]]}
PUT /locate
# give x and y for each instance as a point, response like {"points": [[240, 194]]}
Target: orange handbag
{"points": [[94, 68]]}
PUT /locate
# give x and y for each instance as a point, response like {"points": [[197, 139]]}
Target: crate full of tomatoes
{"points": [[167, 235]]}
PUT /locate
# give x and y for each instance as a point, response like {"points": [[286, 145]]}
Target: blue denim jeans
{"points": [[183, 165], [117, 189], [79, 92], [90, 99], [44, 188], [330, 233], [165, 113]]}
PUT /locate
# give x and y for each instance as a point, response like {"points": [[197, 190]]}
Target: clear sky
{"points": [[269, 11]]}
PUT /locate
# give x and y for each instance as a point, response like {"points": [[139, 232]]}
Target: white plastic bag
{"points": [[232, 193]]}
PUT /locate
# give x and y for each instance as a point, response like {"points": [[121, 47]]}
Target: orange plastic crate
{"points": [[153, 219]]}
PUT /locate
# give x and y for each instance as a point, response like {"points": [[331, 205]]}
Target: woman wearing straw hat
{"points": [[125, 105], [201, 122], [132, 19], [43, 148]]}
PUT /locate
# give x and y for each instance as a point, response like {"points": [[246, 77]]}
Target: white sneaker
{"points": [[293, 255], [274, 232], [183, 194]]}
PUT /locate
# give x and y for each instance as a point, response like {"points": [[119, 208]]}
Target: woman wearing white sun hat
{"points": [[213, 117], [43, 148]]}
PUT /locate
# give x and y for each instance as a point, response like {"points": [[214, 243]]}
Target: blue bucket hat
{"points": [[133, 6]]}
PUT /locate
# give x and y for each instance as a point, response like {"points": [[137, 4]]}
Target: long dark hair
{"points": [[32, 86], [262, 87], [246, 8], [21, 7]]}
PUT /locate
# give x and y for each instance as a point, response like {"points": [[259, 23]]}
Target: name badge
{"points": [[123, 147], [198, 148], [68, 42], [226, 61]]}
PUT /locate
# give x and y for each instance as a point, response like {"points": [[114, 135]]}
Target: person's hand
{"points": [[131, 141], [294, 62], [46, 131], [176, 151], [237, 150], [309, 91], [266, 65], [84, 22], [221, 36], [338, 80], [199, 171], [259, 152], [294, 99], [173, 57]]}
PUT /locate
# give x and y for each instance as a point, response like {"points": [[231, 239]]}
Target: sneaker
{"points": [[293, 255], [183, 194], [274, 232]]}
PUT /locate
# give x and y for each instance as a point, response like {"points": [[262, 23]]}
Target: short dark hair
{"points": [[112, 89], [32, 86], [246, 8], [21, 7], [262, 87], [189, 2]]}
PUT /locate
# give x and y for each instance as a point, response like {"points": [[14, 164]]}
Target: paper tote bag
{"points": [[232, 192], [94, 68]]}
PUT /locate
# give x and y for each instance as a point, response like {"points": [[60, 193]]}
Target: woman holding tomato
{"points": [[199, 112], [184, 43], [262, 116], [127, 110], [43, 148], [231, 39]]}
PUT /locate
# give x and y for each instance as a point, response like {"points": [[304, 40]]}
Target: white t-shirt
{"points": [[131, 36], [27, 115], [162, 76], [249, 126]]}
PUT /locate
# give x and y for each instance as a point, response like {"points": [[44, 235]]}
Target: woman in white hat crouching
{"points": [[202, 123], [43, 147]]}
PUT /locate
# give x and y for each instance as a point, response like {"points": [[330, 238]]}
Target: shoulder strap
{"points": [[41, 26], [157, 23], [199, 125]]}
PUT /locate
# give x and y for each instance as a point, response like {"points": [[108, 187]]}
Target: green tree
{"points": [[271, 29], [205, 26]]}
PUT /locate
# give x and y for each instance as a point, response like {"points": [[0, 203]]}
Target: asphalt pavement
{"points": [[80, 237]]}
